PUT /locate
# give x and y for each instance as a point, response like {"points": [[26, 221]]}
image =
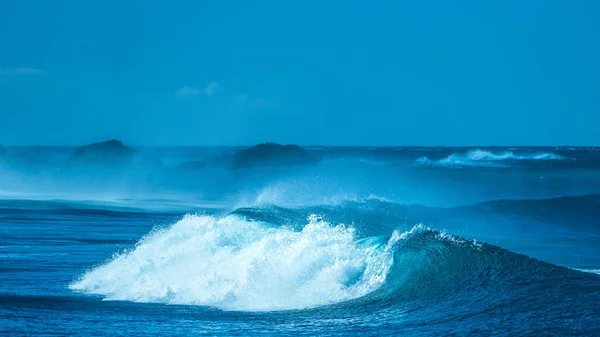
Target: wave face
{"points": [[233, 264], [273, 259], [479, 157]]}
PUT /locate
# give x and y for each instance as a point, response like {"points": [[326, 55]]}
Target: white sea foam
{"points": [[477, 157], [235, 264]]}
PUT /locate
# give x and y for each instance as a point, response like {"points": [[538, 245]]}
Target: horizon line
{"points": [[298, 144]]}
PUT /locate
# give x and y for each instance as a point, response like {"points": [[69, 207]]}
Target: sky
{"points": [[366, 73]]}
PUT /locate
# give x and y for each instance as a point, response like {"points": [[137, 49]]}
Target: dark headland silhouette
{"points": [[261, 155], [272, 154], [107, 153], [114, 154]]}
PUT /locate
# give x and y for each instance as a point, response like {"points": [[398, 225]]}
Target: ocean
{"points": [[387, 241]]}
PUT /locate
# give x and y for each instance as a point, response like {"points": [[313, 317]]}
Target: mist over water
{"points": [[407, 175]]}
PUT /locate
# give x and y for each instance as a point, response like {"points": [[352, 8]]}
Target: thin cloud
{"points": [[253, 102], [209, 90], [187, 91], [21, 71]]}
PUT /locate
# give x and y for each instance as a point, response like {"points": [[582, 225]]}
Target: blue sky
{"points": [[308, 72]]}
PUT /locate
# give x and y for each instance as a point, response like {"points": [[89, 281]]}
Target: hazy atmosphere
{"points": [[311, 73]]}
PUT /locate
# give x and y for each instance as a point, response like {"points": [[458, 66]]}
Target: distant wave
{"points": [[112, 203], [370, 162], [484, 158]]}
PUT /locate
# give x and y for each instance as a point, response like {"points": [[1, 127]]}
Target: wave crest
{"points": [[235, 264], [478, 157]]}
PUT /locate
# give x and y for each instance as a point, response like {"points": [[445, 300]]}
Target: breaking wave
{"points": [[235, 264], [484, 158], [238, 263]]}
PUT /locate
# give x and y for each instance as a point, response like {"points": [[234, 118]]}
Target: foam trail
{"points": [[235, 264]]}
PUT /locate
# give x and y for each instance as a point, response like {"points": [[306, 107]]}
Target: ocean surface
{"points": [[369, 241]]}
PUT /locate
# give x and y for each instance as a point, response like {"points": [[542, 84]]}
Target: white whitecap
{"points": [[478, 157], [233, 264]]}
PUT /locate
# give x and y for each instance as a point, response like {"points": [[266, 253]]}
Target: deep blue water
{"points": [[371, 241]]}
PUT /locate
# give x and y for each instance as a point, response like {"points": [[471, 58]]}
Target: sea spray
{"points": [[234, 264]]}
